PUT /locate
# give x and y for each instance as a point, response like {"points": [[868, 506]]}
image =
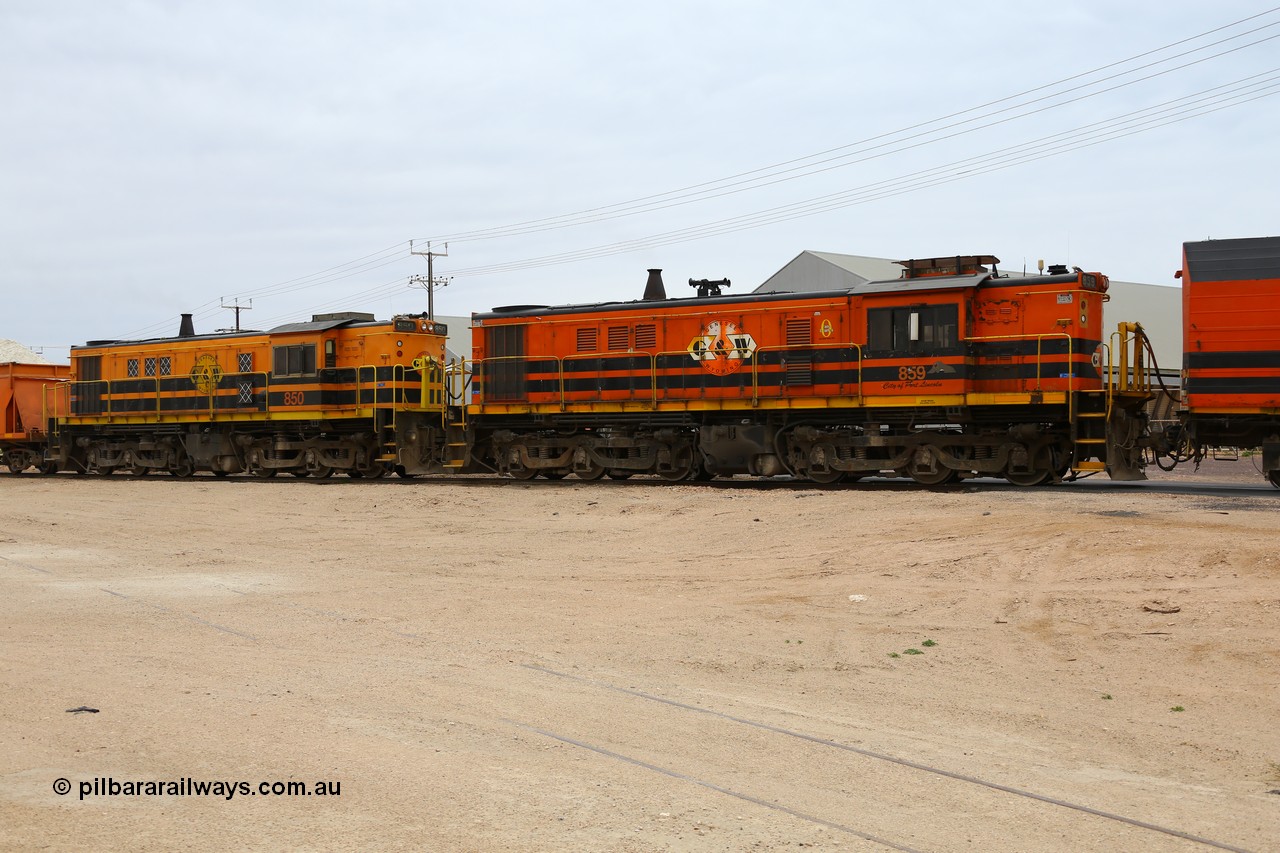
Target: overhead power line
{"points": [[1177, 110], [982, 116], [1138, 121], [821, 161]]}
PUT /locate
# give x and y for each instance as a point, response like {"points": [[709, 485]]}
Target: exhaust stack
{"points": [[654, 289], [186, 329]]}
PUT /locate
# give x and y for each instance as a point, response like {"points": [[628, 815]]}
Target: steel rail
{"points": [[880, 756], [675, 774]]}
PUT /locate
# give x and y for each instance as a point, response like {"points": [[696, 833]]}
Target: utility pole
{"points": [[237, 307], [430, 282]]}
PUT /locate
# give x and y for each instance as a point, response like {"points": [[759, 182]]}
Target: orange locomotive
{"points": [[341, 393], [947, 371]]}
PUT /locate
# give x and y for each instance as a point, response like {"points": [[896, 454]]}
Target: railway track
{"points": [[929, 781], [1236, 488]]}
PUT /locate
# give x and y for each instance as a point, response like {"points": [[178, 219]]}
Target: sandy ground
{"points": [[633, 667]]}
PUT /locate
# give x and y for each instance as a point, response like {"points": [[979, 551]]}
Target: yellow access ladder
{"points": [[453, 416], [1126, 383]]}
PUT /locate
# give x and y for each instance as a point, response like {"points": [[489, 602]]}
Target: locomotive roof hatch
{"points": [[517, 309], [362, 316], [898, 285], [313, 326], [953, 265]]}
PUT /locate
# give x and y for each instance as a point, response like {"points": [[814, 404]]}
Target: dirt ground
{"points": [[637, 667]]}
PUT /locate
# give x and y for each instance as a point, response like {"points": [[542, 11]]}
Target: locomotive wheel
{"points": [[185, 468], [941, 475], [1274, 478], [620, 474], [10, 461], [523, 473], [1028, 478], [264, 473], [819, 457], [20, 460], [95, 467], [324, 472], [50, 467], [372, 469], [700, 473], [132, 466], [595, 472], [682, 465]]}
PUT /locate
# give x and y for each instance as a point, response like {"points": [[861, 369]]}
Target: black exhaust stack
{"points": [[654, 289], [186, 329]]}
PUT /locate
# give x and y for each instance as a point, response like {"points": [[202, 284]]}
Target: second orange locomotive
{"points": [[341, 393], [949, 370]]}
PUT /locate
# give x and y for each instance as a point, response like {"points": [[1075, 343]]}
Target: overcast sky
{"points": [[158, 157]]}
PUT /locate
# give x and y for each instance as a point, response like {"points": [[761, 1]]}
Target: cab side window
{"points": [[295, 360], [913, 330]]}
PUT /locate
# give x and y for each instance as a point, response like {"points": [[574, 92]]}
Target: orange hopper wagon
{"points": [[30, 406]]}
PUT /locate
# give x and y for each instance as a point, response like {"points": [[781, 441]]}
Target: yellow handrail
{"points": [[57, 389], [1123, 376], [484, 362], [451, 372], [1039, 339], [653, 369], [755, 362], [214, 396], [653, 357]]}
